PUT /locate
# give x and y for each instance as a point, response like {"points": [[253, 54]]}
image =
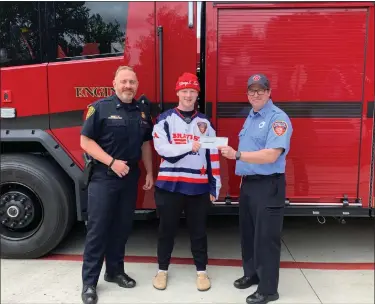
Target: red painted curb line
{"points": [[225, 262]]}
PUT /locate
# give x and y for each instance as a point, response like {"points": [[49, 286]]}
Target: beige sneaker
{"points": [[160, 280], [203, 282]]}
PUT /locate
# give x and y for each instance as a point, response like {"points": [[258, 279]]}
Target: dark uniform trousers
{"points": [[170, 206], [261, 214], [111, 206]]}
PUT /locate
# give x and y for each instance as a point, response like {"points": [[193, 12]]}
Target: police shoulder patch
{"points": [[279, 127], [90, 111]]}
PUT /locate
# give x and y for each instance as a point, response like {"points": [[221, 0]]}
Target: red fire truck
{"points": [[57, 57]]}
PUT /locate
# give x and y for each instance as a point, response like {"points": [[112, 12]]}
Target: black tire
{"points": [[56, 197]]}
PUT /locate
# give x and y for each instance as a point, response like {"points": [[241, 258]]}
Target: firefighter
{"points": [[188, 180], [116, 134], [264, 143]]}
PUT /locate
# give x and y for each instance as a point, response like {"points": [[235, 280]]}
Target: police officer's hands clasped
{"points": [[120, 167], [196, 146]]}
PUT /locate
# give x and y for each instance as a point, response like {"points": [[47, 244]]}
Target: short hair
{"points": [[124, 67]]}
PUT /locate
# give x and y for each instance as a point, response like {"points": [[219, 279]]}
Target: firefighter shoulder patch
{"points": [[279, 127], [90, 111]]}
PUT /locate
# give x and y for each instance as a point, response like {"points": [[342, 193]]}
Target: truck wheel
{"points": [[36, 206]]}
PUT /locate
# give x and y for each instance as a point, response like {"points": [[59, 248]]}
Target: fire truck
{"points": [[58, 57]]}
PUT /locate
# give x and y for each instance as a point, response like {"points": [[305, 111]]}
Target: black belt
{"points": [[260, 176]]}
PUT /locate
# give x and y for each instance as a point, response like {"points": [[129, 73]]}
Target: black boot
{"points": [[258, 298], [245, 282], [89, 295], [123, 280]]}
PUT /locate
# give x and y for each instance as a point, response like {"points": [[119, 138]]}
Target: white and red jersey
{"points": [[182, 170]]}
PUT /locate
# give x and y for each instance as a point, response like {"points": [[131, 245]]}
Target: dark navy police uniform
{"points": [[262, 198], [120, 130]]}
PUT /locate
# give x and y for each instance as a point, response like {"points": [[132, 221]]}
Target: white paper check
{"points": [[213, 142]]}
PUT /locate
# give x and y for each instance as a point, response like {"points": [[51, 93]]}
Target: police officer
{"points": [[116, 134], [264, 143]]}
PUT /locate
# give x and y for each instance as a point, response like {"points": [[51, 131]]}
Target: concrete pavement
{"points": [[331, 263]]}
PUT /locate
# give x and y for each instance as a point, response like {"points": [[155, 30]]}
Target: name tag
{"points": [[115, 117]]}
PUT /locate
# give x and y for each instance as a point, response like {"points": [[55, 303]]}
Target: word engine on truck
{"points": [[57, 57]]}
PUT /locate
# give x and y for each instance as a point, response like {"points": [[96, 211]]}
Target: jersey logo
{"points": [[261, 125], [202, 126], [279, 127], [90, 111], [180, 141], [180, 138]]}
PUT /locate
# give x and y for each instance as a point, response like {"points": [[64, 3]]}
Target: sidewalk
{"points": [[329, 263], [60, 282]]}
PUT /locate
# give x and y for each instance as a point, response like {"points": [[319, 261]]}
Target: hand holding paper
{"points": [[213, 142], [228, 152]]}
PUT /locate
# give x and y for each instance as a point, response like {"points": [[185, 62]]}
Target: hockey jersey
{"points": [[182, 170]]}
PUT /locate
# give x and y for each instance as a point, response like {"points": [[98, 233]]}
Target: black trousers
{"points": [[196, 207], [261, 214], [111, 206]]}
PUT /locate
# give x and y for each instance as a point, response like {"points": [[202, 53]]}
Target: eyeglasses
{"points": [[260, 92]]}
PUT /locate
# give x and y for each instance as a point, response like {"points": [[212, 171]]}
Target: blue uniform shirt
{"points": [[268, 128], [119, 128]]}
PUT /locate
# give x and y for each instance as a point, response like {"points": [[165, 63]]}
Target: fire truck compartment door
{"points": [[314, 58]]}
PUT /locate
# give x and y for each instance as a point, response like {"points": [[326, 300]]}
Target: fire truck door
{"points": [[313, 80], [176, 47]]}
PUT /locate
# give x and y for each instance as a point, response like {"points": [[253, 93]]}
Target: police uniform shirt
{"points": [[119, 128], [269, 128]]}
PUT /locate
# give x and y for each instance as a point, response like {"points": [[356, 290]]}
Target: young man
{"points": [[188, 179]]}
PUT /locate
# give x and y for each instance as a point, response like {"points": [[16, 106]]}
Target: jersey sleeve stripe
{"points": [[174, 159], [179, 169], [183, 174], [183, 179], [215, 157], [183, 187]]}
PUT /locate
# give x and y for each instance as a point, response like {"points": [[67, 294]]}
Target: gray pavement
{"points": [[304, 240]]}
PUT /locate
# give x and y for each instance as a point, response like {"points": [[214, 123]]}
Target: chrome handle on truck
{"points": [[161, 95], [190, 14]]}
